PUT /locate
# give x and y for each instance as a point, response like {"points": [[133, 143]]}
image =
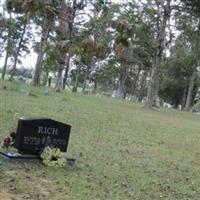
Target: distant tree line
{"points": [[144, 51]]}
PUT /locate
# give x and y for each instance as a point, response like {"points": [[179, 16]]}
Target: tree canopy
{"points": [[142, 51]]}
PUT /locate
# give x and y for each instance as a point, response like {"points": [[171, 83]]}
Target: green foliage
{"points": [[15, 87], [193, 5], [88, 50], [196, 107], [50, 63], [81, 75], [105, 77], [34, 7], [182, 63]]}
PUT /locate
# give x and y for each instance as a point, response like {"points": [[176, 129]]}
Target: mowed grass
{"points": [[122, 151]]}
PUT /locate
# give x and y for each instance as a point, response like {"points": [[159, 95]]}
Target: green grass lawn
{"points": [[122, 151]]}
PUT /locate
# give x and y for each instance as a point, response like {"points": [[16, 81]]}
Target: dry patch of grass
{"points": [[8, 195]]}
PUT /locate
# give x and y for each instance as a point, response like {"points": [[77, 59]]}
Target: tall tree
{"points": [[160, 15], [9, 26], [75, 6], [64, 30], [132, 50], [21, 42], [45, 10], [175, 87], [48, 7]]}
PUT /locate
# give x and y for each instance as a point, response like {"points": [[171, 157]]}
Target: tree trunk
{"points": [[121, 91], [58, 87], [13, 71], [66, 72], [66, 19], [7, 49], [85, 79], [77, 80], [45, 34], [184, 97], [49, 80], [153, 84], [161, 35], [190, 92], [134, 85], [141, 87], [95, 86], [5, 65], [177, 103]]}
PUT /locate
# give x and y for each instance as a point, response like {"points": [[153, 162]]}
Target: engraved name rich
{"points": [[47, 130]]}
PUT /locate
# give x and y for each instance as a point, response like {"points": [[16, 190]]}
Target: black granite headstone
{"points": [[34, 134]]}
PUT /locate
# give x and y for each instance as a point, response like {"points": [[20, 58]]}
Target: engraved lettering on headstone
{"points": [[59, 142], [31, 140], [47, 131], [40, 130], [43, 140]]}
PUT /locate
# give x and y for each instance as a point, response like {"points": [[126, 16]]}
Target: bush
{"points": [[196, 107]]}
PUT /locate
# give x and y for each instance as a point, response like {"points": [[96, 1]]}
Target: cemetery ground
{"points": [[122, 151]]}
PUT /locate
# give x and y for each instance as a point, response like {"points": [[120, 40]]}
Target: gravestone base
{"points": [[20, 157], [27, 157]]}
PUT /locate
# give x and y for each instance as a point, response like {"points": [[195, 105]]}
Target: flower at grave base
{"points": [[8, 140], [53, 157]]}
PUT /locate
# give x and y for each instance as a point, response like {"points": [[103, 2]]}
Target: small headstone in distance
{"points": [[4, 87], [47, 92], [33, 134], [30, 94]]}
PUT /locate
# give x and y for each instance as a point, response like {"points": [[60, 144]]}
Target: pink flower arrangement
{"points": [[8, 140]]}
